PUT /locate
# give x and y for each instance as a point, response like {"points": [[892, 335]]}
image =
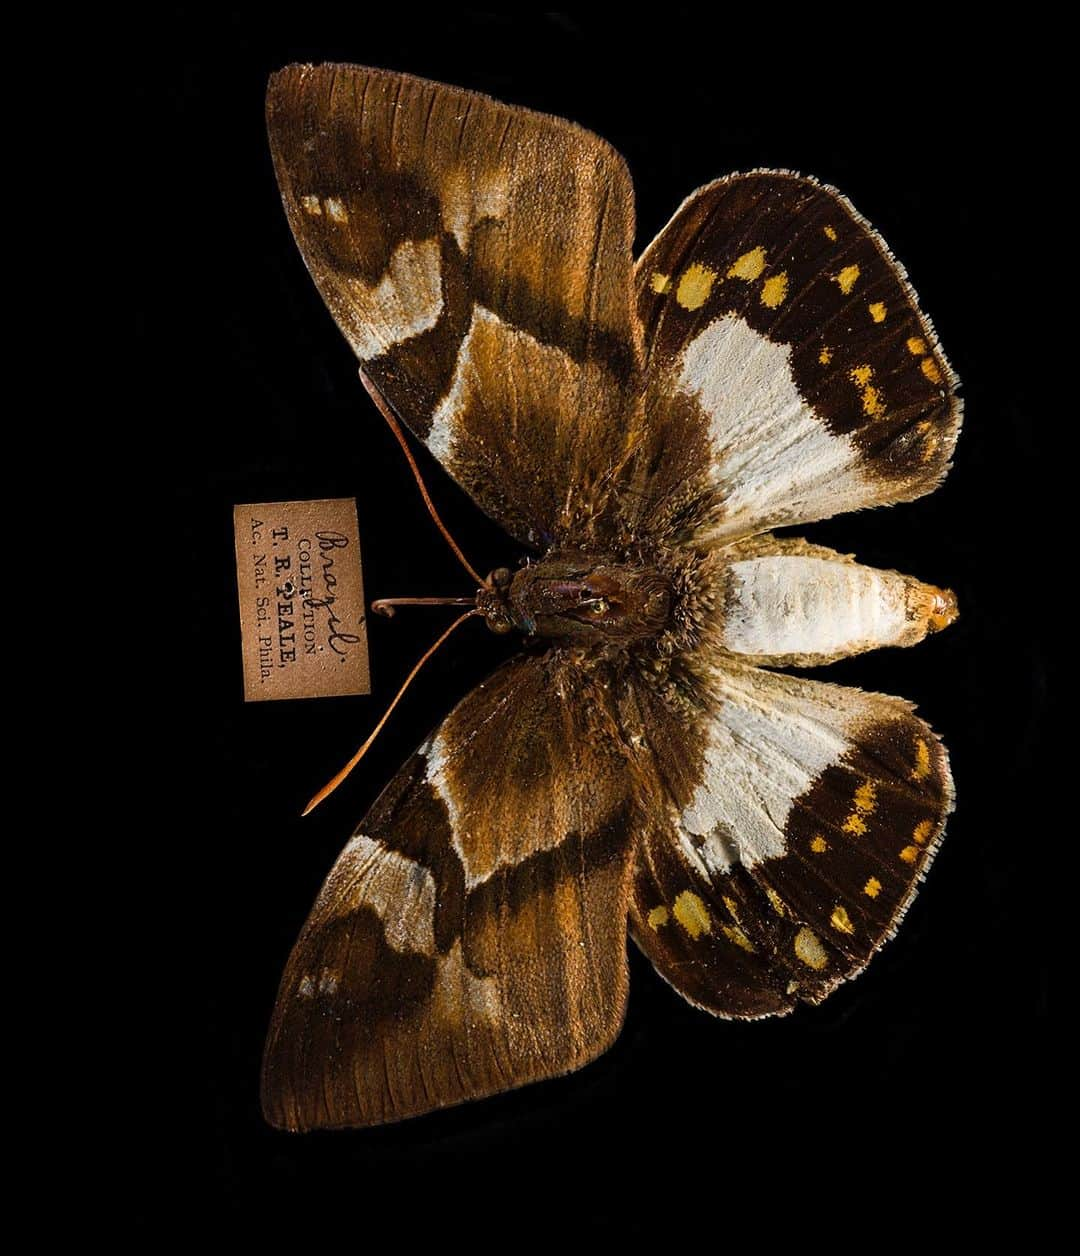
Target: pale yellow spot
{"points": [[311, 205], [660, 283], [336, 209], [736, 935], [830, 232], [872, 403], [776, 901], [840, 920], [809, 949], [732, 907], [923, 831], [866, 797], [877, 312], [921, 770], [909, 854], [929, 368], [863, 804], [819, 845], [694, 286], [773, 290], [871, 398], [658, 916], [792, 986], [825, 356], [749, 266], [691, 913], [846, 278], [916, 345], [872, 888]]}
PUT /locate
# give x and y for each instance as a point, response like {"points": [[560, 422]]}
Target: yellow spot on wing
{"points": [[929, 368], [692, 914], [773, 290], [866, 797], [776, 901], [658, 916], [830, 232], [841, 920], [862, 806], [336, 209], [809, 949], [660, 283], [923, 831], [846, 278], [909, 854], [877, 312], [916, 345], [694, 286], [311, 205], [825, 356], [872, 403], [872, 888], [819, 845], [732, 907], [870, 396], [736, 935], [921, 770], [749, 266]]}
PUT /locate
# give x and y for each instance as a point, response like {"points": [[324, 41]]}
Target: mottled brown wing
{"points": [[472, 935], [791, 375], [477, 257], [792, 824]]}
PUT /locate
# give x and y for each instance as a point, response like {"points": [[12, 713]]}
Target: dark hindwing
{"points": [[791, 375], [477, 257], [472, 935], [791, 828]]}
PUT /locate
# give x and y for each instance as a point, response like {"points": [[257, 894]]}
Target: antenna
{"points": [[332, 784], [395, 427]]}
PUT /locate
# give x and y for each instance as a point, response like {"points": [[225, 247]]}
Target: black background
{"points": [[929, 1065]]}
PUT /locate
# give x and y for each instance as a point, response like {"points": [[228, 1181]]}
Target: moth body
{"points": [[583, 598], [642, 427]]}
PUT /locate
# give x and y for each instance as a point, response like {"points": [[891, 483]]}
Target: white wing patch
{"points": [[776, 459], [796, 605], [519, 356], [400, 890], [770, 739], [468, 197], [404, 303]]}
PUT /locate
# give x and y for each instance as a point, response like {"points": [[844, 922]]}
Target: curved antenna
{"points": [[385, 411], [385, 605], [332, 784]]}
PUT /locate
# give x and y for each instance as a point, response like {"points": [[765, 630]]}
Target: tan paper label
{"points": [[302, 616]]}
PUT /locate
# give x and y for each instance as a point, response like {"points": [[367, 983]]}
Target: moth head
{"points": [[582, 597], [492, 600]]}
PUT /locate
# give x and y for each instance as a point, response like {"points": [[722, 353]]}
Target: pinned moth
{"points": [[640, 428]]}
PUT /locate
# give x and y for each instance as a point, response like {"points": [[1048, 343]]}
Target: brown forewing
{"points": [[478, 258], [471, 937]]}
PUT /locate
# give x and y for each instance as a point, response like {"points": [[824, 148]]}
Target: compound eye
{"points": [[501, 577]]}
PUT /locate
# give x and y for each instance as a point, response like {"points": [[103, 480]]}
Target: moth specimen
{"points": [[640, 429]]}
